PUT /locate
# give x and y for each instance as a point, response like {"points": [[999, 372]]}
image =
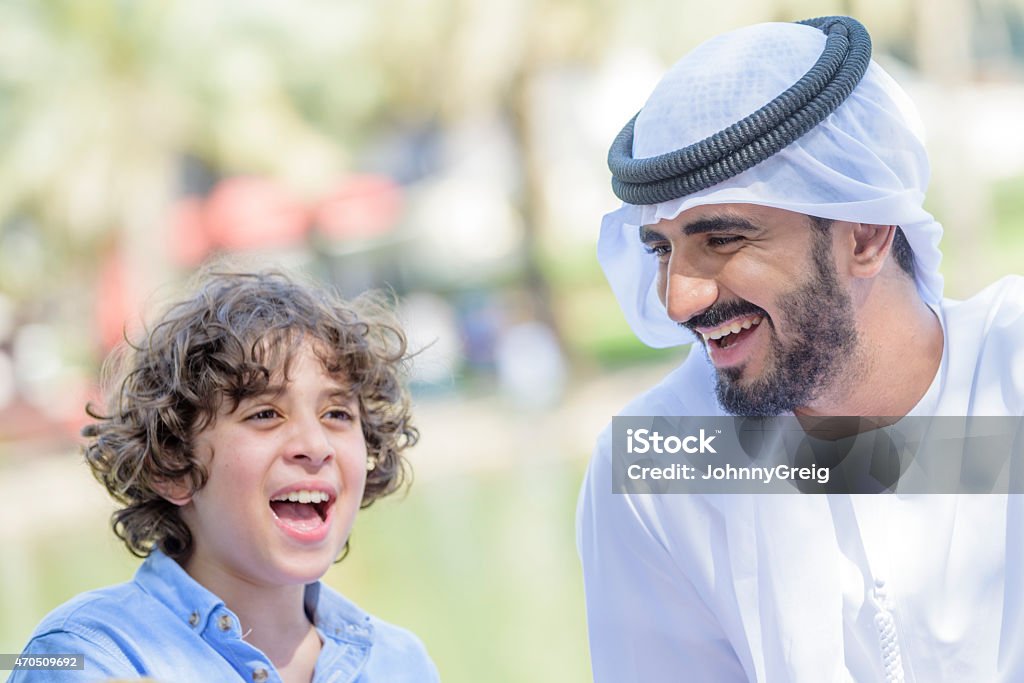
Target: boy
{"points": [[244, 434]]}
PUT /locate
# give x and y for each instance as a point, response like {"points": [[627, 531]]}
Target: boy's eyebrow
{"points": [[340, 392], [335, 392], [702, 226], [272, 390], [269, 391]]}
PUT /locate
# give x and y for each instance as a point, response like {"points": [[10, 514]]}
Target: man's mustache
{"points": [[720, 313]]}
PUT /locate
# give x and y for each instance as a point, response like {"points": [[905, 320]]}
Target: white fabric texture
{"points": [[865, 163], [736, 588]]}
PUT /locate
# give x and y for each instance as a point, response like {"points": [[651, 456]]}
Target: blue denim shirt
{"points": [[164, 625]]}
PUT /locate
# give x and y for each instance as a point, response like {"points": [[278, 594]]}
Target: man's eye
{"points": [[265, 414], [723, 241], [660, 250]]}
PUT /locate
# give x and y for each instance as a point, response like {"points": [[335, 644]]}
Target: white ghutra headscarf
{"points": [[864, 163]]}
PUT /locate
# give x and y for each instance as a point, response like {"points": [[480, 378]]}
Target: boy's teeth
{"points": [[303, 496]]}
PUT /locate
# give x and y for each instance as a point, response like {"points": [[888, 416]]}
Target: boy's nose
{"points": [[686, 295], [309, 444]]}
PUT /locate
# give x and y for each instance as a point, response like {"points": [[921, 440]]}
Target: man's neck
{"points": [[899, 353]]}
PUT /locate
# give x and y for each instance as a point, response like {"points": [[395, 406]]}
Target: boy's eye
{"points": [[340, 414], [264, 414]]}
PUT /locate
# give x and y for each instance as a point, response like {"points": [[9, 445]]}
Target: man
{"points": [[773, 187]]}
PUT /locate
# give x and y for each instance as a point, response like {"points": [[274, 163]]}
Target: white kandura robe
{"points": [[816, 588]]}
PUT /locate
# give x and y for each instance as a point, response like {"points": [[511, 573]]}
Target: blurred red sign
{"points": [[247, 212]]}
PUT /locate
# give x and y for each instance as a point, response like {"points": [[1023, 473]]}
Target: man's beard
{"points": [[798, 371]]}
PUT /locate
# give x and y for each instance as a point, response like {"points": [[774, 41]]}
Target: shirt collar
{"points": [[166, 580], [334, 616]]}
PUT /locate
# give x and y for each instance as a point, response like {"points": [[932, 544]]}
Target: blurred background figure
{"points": [[450, 152]]}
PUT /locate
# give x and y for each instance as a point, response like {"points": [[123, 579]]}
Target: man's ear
{"points": [[871, 245]]}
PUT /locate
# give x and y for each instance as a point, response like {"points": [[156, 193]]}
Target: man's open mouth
{"points": [[302, 510], [731, 332]]}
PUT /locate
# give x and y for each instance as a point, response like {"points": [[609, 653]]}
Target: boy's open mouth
{"points": [[302, 510]]}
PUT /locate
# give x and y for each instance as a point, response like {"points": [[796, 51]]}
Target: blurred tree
{"points": [[102, 102]]}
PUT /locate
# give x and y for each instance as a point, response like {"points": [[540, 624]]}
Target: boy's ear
{"points": [[871, 244], [175, 492]]}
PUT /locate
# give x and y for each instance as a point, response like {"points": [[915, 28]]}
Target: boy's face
{"points": [[300, 440]]}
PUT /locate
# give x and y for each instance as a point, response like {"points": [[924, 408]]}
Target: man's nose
{"points": [[687, 294]]}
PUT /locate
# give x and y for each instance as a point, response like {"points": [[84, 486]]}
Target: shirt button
{"points": [[224, 622], [259, 675]]}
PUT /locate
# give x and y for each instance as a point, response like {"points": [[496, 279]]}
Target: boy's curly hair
{"points": [[225, 343]]}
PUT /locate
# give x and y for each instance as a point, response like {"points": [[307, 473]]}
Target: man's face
{"points": [[759, 287]]}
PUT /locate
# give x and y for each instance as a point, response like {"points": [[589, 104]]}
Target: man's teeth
{"points": [[304, 496], [732, 328]]}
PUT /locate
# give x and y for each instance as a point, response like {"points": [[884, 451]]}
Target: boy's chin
{"points": [[298, 565], [297, 572]]}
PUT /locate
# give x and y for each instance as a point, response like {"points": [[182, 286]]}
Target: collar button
{"points": [[224, 622], [260, 675], [193, 619]]}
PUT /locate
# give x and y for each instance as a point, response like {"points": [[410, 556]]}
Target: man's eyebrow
{"points": [[649, 234], [719, 224], [703, 225]]}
